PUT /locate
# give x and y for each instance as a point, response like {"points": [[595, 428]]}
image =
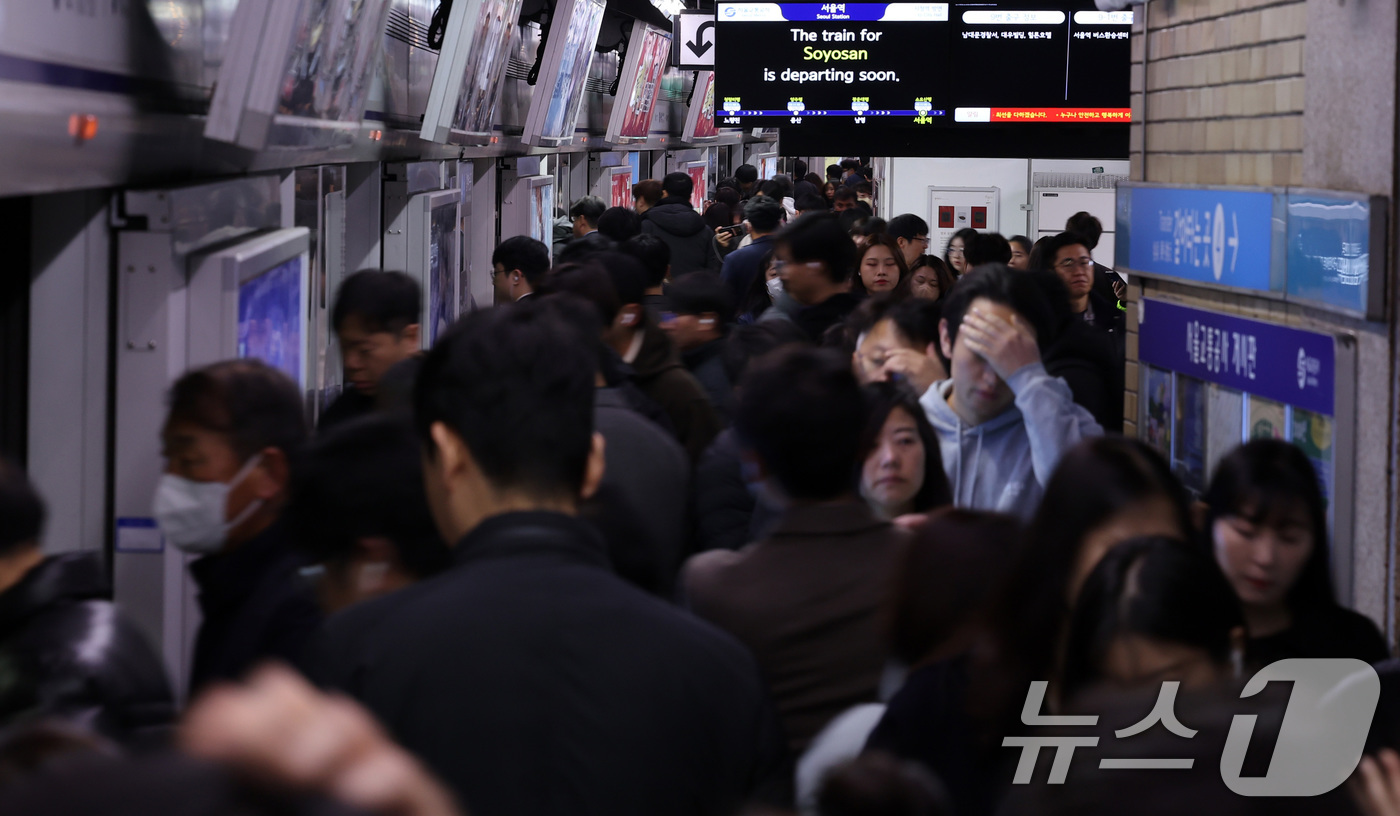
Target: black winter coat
{"points": [[1091, 362], [724, 507], [256, 606], [533, 681], [67, 653], [707, 366], [684, 230]]}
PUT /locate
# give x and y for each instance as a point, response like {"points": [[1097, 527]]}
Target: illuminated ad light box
{"points": [[620, 186], [266, 300], [1304, 246], [700, 117], [648, 49], [296, 72], [558, 95], [1209, 381], [433, 259], [697, 171], [470, 73], [997, 78]]}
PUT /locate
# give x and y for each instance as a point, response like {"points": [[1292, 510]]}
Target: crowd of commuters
{"points": [[771, 509]]}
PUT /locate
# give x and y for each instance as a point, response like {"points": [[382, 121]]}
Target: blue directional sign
{"points": [[1289, 365], [1221, 237], [1332, 238]]}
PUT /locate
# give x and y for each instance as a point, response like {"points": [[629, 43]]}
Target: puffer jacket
{"points": [[684, 230], [69, 654]]}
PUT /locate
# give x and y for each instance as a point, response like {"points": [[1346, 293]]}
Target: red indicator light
{"points": [[82, 127]]}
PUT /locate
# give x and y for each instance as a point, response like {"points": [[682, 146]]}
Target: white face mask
{"points": [[191, 514], [775, 287]]}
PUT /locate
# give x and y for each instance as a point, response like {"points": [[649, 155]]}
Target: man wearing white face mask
{"points": [[228, 441]]}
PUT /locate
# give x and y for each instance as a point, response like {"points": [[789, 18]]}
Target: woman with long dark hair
{"points": [[1267, 526], [953, 714], [955, 255], [903, 470], [880, 269], [763, 290], [1153, 610]]}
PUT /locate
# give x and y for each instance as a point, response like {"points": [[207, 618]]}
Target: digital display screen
{"points": [[956, 78], [566, 93], [334, 45], [270, 323], [485, 73]]}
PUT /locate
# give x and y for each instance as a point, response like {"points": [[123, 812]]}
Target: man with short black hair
{"points": [[747, 176], [619, 224], [764, 216], [807, 598], [898, 340], [585, 214], [229, 441], [1002, 422], [833, 173], [698, 323], [655, 258], [851, 170], [375, 319], [911, 233], [470, 671], [357, 508], [684, 230], [1107, 283], [1068, 255], [69, 655], [844, 199], [989, 248], [811, 203], [865, 191], [815, 258], [517, 266]]}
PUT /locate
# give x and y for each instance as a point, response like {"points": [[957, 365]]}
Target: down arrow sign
{"points": [[700, 47]]}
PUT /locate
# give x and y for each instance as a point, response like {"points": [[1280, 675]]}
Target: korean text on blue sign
{"points": [[1209, 236], [1291, 366]]}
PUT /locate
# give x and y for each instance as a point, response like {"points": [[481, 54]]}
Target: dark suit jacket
{"points": [[807, 601], [533, 680]]}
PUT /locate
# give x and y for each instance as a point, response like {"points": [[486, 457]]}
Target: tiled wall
{"points": [[1224, 100]]}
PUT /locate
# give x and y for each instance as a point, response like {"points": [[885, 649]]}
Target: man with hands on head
{"points": [[1002, 422], [901, 344]]}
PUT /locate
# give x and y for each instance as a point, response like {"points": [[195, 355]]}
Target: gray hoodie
{"points": [[1005, 463]]}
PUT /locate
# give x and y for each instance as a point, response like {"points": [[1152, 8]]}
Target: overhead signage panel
{"points": [[933, 79], [693, 41]]}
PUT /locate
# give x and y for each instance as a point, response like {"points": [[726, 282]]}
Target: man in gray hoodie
{"points": [[1002, 421]]}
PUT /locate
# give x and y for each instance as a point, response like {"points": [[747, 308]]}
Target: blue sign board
{"points": [[1330, 249], [1312, 246], [1209, 236], [1291, 366]]}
